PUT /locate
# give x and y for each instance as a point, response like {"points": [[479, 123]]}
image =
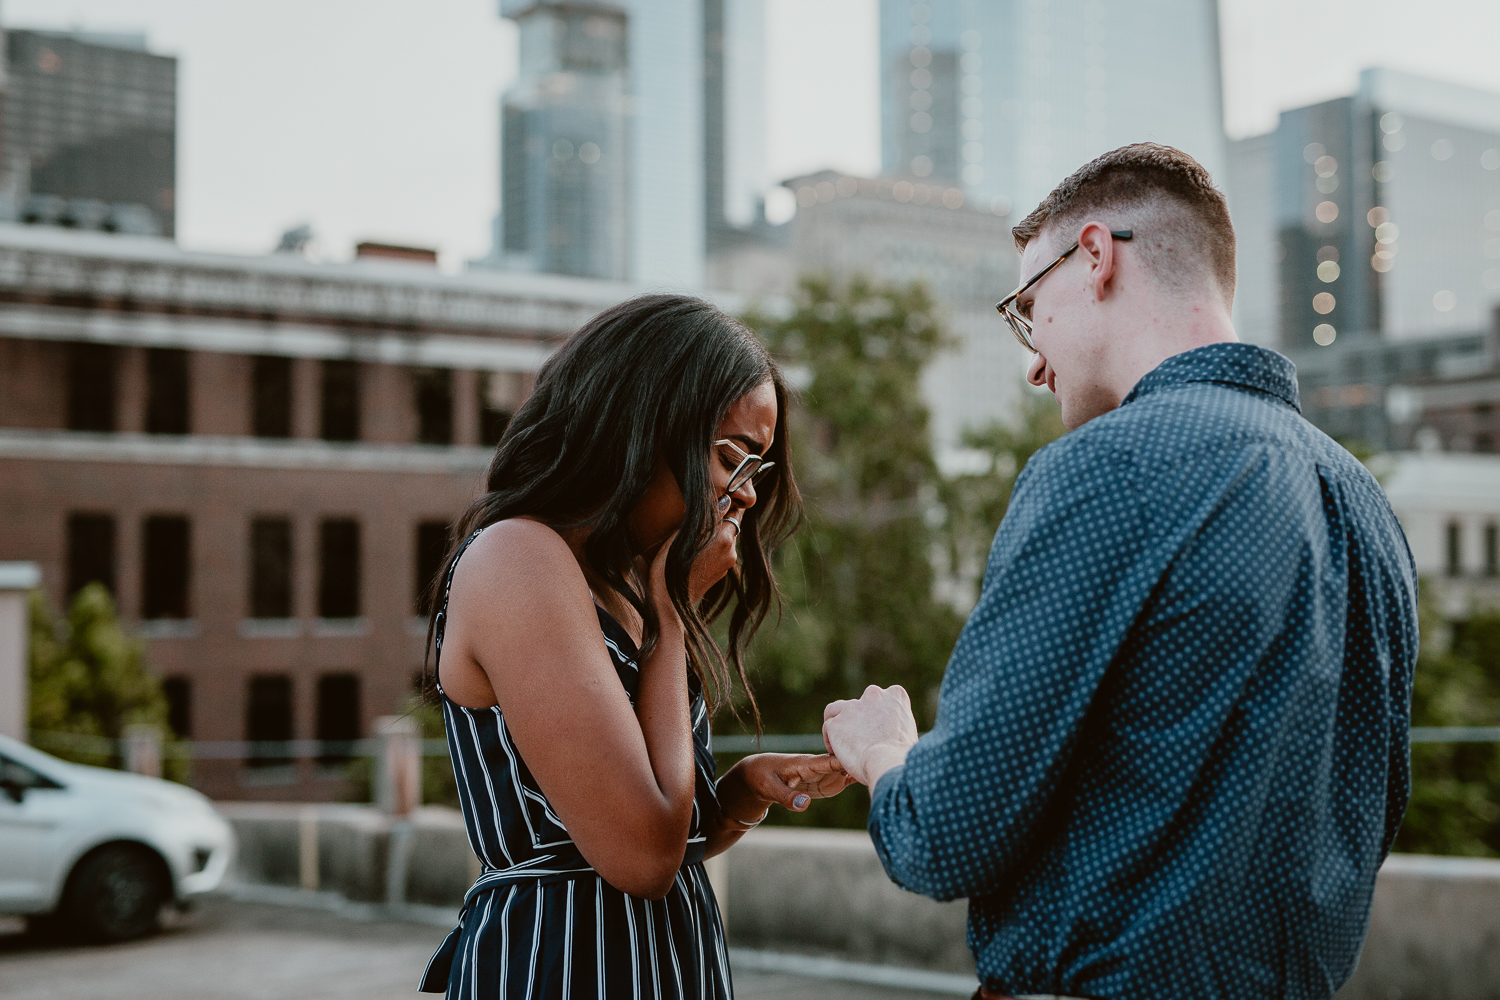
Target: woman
{"points": [[634, 497]]}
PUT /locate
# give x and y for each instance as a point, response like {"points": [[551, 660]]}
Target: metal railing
{"points": [[348, 749]]}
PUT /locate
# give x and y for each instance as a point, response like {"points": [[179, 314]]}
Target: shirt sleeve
{"points": [[1064, 580]]}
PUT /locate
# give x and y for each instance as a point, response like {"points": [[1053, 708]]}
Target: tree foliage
{"points": [[866, 580], [1455, 802], [88, 677]]}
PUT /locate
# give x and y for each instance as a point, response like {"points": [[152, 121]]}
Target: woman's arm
{"points": [[621, 779]]}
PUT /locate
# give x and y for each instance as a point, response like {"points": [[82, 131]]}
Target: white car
{"points": [[98, 853]]}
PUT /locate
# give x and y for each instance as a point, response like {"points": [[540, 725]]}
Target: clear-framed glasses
{"points": [[751, 468], [1021, 325]]}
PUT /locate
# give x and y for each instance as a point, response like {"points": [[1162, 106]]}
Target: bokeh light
{"points": [[1378, 216], [1328, 271], [1323, 334], [1323, 303], [1326, 211], [1444, 301], [1442, 149]]}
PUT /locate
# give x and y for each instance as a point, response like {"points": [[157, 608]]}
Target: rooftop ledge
{"points": [[241, 452]]}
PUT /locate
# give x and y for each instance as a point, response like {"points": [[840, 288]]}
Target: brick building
{"points": [[259, 456]]}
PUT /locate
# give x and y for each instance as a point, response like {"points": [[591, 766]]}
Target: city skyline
{"points": [[432, 128]]}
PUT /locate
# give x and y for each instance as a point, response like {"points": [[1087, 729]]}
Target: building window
{"points": [[91, 387], [167, 394], [179, 695], [270, 568], [338, 716], [271, 398], [268, 715], [1455, 549], [166, 558], [499, 394], [340, 401], [338, 569], [1492, 550], [434, 399], [91, 551], [432, 547]]}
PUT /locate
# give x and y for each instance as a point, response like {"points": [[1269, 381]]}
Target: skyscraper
{"points": [[633, 137], [1007, 97], [564, 158], [88, 137], [1384, 213], [734, 117]]}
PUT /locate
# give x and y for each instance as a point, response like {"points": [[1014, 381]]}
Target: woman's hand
{"points": [[792, 780], [717, 558]]}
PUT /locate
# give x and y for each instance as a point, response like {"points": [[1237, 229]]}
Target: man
{"points": [[1171, 745]]}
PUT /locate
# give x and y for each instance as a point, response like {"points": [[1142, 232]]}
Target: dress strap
{"points": [[440, 624]]}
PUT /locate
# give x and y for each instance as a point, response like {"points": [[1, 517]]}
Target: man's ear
{"points": [[1095, 241]]}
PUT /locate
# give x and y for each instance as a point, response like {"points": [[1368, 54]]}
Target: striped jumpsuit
{"points": [[539, 922]]}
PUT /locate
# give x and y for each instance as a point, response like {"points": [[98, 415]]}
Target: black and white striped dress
{"points": [[539, 922]]}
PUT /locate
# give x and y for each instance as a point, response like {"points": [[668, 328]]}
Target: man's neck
{"points": [[1187, 327]]}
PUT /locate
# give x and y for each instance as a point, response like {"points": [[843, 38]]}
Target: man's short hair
{"points": [[1181, 221]]}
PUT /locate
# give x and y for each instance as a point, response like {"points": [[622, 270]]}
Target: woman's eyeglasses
{"points": [[751, 468], [1021, 325]]}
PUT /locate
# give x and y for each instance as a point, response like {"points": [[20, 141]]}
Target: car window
{"points": [[16, 775]]}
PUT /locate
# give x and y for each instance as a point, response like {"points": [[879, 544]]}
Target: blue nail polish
{"points": [[800, 801]]}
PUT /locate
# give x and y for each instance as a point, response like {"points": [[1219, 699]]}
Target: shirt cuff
{"points": [[882, 787], [887, 779]]}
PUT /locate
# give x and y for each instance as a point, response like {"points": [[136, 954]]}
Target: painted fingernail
{"points": [[800, 801]]}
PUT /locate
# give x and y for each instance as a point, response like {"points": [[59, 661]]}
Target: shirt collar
{"points": [[1227, 363]]}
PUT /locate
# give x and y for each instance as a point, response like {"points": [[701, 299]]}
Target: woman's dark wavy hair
{"points": [[651, 376]]}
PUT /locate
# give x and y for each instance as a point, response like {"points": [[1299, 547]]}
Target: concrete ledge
{"points": [[822, 891], [821, 897], [354, 851], [1434, 932]]}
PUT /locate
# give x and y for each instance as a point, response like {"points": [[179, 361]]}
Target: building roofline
{"points": [[65, 262], [1434, 100]]}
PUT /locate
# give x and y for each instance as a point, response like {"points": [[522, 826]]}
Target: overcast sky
{"points": [[376, 119]]}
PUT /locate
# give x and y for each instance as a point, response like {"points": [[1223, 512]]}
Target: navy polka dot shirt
{"points": [[1171, 746]]}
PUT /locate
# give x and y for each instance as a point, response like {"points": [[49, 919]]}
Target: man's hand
{"points": [[870, 735]]}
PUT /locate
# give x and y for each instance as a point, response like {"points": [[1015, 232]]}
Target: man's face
{"points": [[1068, 329]]}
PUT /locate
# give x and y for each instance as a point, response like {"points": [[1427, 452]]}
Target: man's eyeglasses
{"points": [[1021, 325], [751, 468]]}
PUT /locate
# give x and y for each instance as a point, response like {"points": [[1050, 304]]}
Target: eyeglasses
{"points": [[1021, 325], [751, 468]]}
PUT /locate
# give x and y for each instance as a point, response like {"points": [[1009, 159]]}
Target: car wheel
{"points": [[115, 894]]}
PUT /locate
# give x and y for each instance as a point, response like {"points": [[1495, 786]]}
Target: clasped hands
{"points": [[865, 737]]}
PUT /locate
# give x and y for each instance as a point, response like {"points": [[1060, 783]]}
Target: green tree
{"points": [[88, 678], [858, 578], [977, 501], [1455, 802]]}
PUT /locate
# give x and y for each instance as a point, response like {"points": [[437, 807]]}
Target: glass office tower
{"points": [[1004, 98], [633, 138]]}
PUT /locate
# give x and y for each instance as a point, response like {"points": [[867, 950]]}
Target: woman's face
{"points": [[750, 423]]}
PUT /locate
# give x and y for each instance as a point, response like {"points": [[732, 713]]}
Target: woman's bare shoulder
{"points": [[519, 557]]}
